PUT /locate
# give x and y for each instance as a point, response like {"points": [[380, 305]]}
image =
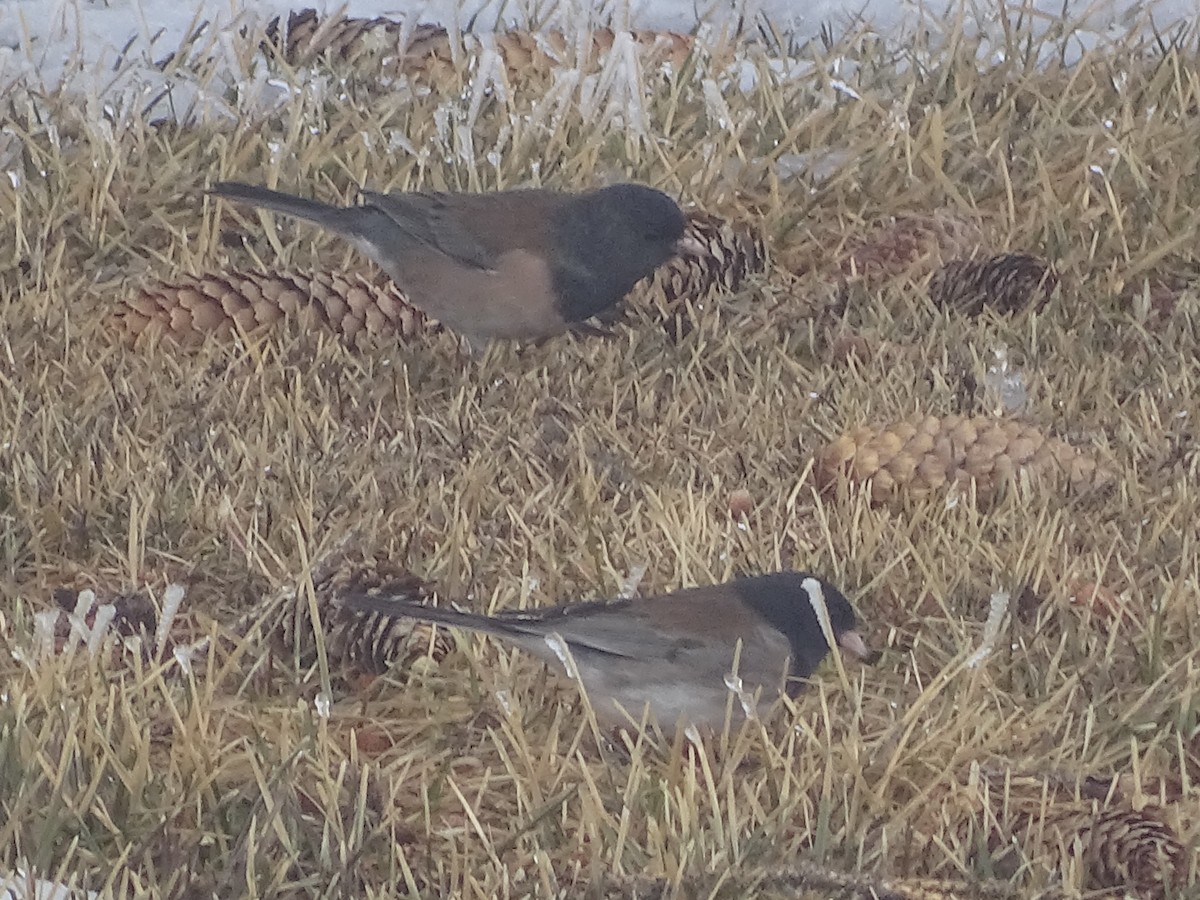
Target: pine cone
{"points": [[430, 53], [939, 889], [909, 243], [808, 877], [1119, 847], [1130, 848], [733, 251], [927, 454], [305, 36], [219, 304], [525, 50], [352, 640], [1007, 283], [369, 642]]}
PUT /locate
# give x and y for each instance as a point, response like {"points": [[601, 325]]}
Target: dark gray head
{"points": [[785, 600], [607, 241]]}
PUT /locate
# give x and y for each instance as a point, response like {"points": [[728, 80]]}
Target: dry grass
{"points": [[546, 473]]}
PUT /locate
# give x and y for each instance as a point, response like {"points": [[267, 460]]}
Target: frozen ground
{"points": [[109, 47]]}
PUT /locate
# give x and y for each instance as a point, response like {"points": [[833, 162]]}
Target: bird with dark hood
{"points": [[521, 264], [674, 653]]}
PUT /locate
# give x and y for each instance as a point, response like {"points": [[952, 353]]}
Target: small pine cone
{"points": [[911, 244], [1122, 848], [219, 304], [1136, 849], [733, 251], [1006, 283], [369, 642], [924, 455]]}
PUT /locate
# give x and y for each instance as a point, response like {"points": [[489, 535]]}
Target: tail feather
{"points": [[324, 214], [530, 632], [400, 607]]}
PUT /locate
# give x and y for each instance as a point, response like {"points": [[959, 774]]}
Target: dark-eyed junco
{"points": [[514, 264], [673, 652]]}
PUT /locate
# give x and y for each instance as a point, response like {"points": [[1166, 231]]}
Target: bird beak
{"points": [[689, 246], [852, 644]]}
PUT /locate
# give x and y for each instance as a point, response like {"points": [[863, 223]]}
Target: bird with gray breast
{"points": [[674, 653], [520, 264]]}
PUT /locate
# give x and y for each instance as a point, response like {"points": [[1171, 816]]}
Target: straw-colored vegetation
{"points": [[1063, 763]]}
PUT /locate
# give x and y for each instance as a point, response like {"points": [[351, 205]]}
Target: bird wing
{"points": [[611, 629], [675, 653], [427, 219], [475, 229], [697, 628]]}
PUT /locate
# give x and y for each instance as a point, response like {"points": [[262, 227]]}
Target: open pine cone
{"points": [[1042, 821], [931, 453], [306, 35], [367, 642], [1124, 848], [1116, 847], [733, 251]]}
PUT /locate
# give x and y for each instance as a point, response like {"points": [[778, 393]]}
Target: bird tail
{"points": [[324, 214], [398, 606]]}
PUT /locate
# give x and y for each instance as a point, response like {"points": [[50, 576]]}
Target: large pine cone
{"points": [[928, 454], [221, 304]]}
